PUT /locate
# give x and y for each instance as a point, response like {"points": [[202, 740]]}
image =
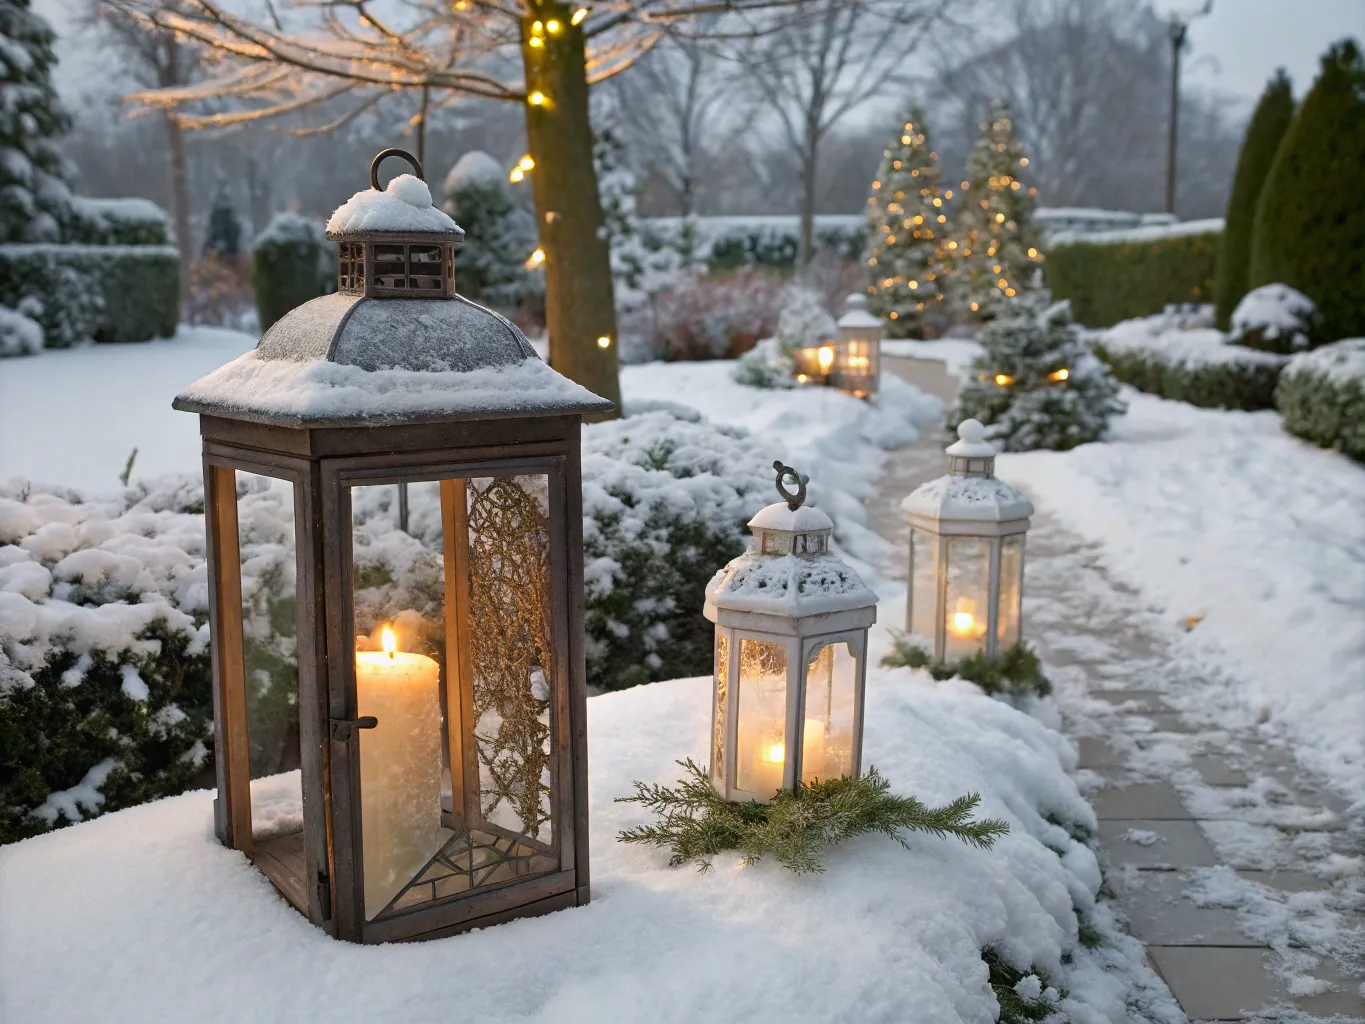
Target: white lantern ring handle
{"points": [[793, 500], [383, 155]]}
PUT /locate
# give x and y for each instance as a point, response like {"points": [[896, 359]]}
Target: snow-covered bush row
{"points": [[1275, 318], [19, 335], [1196, 366], [716, 317], [105, 292], [724, 243], [104, 662], [1321, 395], [118, 222]]}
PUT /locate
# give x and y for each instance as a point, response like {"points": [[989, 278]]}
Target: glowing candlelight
{"points": [[963, 622], [826, 357]]}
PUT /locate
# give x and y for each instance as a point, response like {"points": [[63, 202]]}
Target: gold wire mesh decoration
{"points": [[722, 689], [510, 647]]}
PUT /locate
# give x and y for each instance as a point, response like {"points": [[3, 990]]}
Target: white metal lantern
{"points": [[791, 655], [966, 554], [857, 364]]}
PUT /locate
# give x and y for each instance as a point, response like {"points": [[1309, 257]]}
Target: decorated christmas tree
{"points": [[905, 259], [1036, 384], [35, 195], [994, 248], [495, 265]]}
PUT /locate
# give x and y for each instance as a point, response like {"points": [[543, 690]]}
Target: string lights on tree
{"points": [[906, 262]]}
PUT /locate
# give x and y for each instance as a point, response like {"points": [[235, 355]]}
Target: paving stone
{"points": [[1220, 983], [1160, 915], [1096, 753], [1180, 844], [1287, 881], [1143, 701], [1217, 772], [1172, 721], [1154, 800]]}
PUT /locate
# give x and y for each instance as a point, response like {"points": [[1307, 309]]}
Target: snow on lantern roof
{"points": [[780, 516], [404, 207], [344, 360], [971, 442], [970, 498], [856, 314]]}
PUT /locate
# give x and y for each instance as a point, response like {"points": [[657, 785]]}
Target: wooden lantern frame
{"points": [[325, 878]]}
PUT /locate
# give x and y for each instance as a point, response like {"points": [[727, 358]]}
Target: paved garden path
{"points": [[1244, 875]]}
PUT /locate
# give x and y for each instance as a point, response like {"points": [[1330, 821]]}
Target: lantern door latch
{"points": [[344, 728]]}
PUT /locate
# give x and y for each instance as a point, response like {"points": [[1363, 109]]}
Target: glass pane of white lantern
{"points": [[969, 579], [1011, 588], [762, 747], [722, 691], [831, 706], [923, 585]]}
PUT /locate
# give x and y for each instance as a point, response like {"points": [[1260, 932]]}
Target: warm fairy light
{"points": [[604, 342], [905, 140], [535, 259], [975, 307], [914, 284], [999, 218], [942, 219], [578, 16], [825, 355], [774, 753], [937, 201], [876, 185], [1061, 374], [526, 163], [516, 175], [1023, 161], [536, 98], [535, 42], [388, 641], [1003, 379], [952, 245], [553, 26], [1033, 253], [801, 378], [537, 28], [894, 315], [1009, 292]]}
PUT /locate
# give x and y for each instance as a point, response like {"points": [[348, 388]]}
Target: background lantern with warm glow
{"points": [[791, 655], [858, 351], [813, 364], [966, 554], [404, 754]]}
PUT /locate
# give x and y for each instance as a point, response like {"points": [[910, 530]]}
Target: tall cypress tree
{"points": [[1310, 219], [905, 259], [1264, 132], [35, 193]]}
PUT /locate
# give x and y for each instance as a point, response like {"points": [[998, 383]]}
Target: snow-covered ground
{"points": [[1253, 539], [172, 926]]}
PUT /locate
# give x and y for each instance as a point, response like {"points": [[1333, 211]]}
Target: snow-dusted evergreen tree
{"points": [[223, 237], [905, 258], [499, 236], [1036, 384], [994, 246], [35, 194]]}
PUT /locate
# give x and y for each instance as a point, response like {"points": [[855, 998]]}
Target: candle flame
{"points": [[775, 753], [388, 641], [826, 357], [963, 621]]}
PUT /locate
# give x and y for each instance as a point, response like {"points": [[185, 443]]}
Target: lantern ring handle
{"points": [[383, 155], [793, 500]]}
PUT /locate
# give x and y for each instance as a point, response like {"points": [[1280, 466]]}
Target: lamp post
{"points": [[441, 728], [1178, 25]]}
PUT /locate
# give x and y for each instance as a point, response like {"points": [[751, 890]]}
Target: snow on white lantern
{"points": [[430, 623], [966, 554], [791, 655], [857, 362]]}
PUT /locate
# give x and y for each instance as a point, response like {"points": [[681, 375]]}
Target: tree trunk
{"points": [[579, 306], [180, 196], [808, 168]]}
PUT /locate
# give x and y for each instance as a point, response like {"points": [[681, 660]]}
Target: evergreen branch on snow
{"points": [[696, 823]]}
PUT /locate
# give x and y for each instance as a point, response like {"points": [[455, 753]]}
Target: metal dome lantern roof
{"points": [[395, 344]]}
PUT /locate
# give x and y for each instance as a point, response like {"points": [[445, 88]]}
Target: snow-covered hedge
{"points": [[118, 222], [105, 292], [1322, 396], [291, 262], [1196, 366], [104, 665], [724, 243], [1276, 318], [19, 335]]}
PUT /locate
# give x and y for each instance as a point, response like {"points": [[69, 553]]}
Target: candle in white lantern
{"points": [[400, 767]]}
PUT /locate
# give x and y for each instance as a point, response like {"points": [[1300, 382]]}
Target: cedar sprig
{"points": [[696, 823]]}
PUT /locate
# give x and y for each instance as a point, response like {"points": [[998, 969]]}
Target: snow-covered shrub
{"points": [[118, 222], [141, 287], [727, 242], [1036, 384], [1275, 318], [717, 317], [291, 262], [500, 235], [19, 336], [665, 501], [62, 295], [1195, 366], [803, 322], [765, 366], [1321, 395]]}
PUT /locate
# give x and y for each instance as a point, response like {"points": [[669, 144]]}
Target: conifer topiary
{"points": [[291, 263], [494, 264], [905, 260], [1310, 219], [1264, 132]]}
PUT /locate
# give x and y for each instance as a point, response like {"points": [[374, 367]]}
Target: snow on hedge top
{"points": [[1151, 233], [475, 167], [1342, 362], [1274, 311], [1154, 336], [405, 205]]}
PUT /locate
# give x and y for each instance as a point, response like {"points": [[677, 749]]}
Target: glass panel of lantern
{"points": [[813, 363], [858, 350], [456, 782]]}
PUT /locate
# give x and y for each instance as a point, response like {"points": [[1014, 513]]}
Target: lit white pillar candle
{"points": [[400, 767]]}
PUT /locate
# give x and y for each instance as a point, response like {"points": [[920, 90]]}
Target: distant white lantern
{"points": [[791, 655], [857, 362], [966, 554]]}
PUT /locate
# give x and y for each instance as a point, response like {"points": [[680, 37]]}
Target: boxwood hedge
{"points": [[1321, 395]]}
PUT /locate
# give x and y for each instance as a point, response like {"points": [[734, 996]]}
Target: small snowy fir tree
{"points": [[995, 247], [1036, 384], [803, 322], [905, 259], [493, 264], [223, 238], [35, 194]]}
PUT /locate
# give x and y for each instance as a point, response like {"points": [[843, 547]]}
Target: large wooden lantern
{"points": [[399, 714], [791, 655], [858, 350], [966, 554]]}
